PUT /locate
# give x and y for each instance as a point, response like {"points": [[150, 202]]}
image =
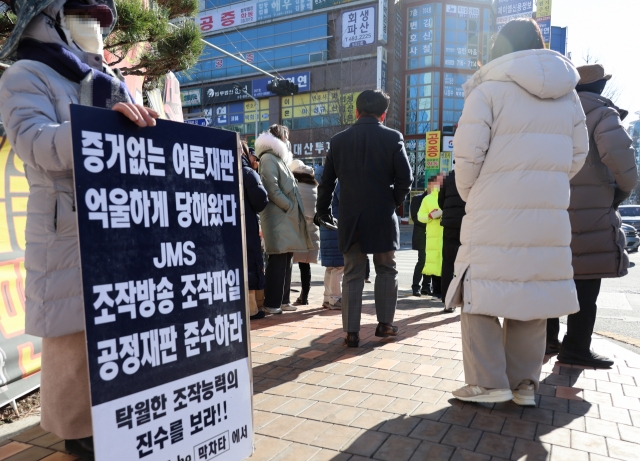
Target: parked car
{"points": [[633, 240], [630, 215]]}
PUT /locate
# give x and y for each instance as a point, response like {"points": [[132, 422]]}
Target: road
{"points": [[618, 303]]}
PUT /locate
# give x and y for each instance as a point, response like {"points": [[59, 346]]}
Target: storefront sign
{"points": [[191, 98], [543, 17], [383, 21], [161, 238], [201, 121], [271, 9], [226, 92], [318, 148], [433, 145], [447, 144], [358, 27], [381, 68], [446, 159], [508, 10], [19, 353], [227, 16], [302, 79]]}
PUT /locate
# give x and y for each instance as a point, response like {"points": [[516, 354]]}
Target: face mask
{"points": [[86, 32]]}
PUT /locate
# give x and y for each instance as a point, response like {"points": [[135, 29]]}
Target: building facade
{"points": [[419, 51]]}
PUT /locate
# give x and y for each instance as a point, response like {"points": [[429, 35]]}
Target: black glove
{"points": [[327, 221], [619, 196]]}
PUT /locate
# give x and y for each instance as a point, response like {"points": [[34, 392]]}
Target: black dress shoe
{"points": [[425, 292], [585, 359], [80, 447], [258, 316], [553, 347], [352, 339], [386, 329], [416, 293]]}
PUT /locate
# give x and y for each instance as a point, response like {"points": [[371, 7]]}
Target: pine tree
{"points": [[164, 47]]}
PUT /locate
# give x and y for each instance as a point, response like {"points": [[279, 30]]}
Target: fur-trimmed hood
{"points": [[267, 142]]}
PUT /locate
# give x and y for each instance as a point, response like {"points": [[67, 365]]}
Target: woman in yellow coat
{"points": [[430, 213]]}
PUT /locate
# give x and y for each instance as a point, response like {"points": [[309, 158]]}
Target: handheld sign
{"points": [[161, 231]]}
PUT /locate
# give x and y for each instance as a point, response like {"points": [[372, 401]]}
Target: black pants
{"points": [[367, 271], [579, 325], [436, 285], [278, 280], [450, 247], [305, 278], [418, 276]]}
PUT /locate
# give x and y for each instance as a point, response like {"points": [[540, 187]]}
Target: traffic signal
{"points": [[282, 87]]}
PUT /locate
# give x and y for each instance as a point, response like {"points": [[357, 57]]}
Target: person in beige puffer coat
{"points": [[34, 104], [598, 243], [521, 138]]}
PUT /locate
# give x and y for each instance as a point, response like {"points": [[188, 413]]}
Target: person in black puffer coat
{"points": [[255, 200], [452, 207]]}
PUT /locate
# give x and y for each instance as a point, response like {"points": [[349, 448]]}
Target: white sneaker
{"points": [[272, 310], [471, 393], [525, 394], [288, 307]]}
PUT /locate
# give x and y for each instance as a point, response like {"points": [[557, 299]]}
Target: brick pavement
{"points": [[391, 399]]}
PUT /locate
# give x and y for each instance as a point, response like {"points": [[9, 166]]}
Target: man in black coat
{"points": [[371, 163], [452, 207], [419, 242]]}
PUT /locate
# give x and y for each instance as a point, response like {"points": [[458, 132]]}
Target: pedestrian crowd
{"points": [[523, 229]]}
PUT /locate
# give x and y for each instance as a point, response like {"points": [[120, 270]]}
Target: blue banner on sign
{"points": [[545, 28], [302, 79], [197, 121], [276, 8]]}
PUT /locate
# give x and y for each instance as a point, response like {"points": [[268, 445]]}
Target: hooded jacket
{"points": [[434, 231], [283, 222], [34, 106], [521, 138], [308, 188], [609, 174]]}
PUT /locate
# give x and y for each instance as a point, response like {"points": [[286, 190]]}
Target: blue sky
{"points": [[610, 31]]}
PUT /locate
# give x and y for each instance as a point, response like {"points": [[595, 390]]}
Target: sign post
{"points": [[163, 260]]}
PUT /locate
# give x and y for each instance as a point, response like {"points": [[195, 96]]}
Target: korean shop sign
{"points": [[162, 257], [358, 27]]}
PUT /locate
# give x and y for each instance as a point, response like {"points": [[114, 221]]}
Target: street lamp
{"points": [[239, 87]]}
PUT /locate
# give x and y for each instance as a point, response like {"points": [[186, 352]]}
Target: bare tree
{"points": [[613, 90]]}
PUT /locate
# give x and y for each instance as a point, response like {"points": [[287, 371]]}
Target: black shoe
{"points": [[416, 293], [425, 292], [80, 447], [301, 301], [449, 310], [386, 329], [352, 339], [258, 316], [585, 359], [553, 347], [437, 295]]}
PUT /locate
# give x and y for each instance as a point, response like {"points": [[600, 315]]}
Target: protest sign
{"points": [[160, 222]]}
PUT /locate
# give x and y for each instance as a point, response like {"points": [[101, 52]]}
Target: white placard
{"points": [[383, 21], [358, 27]]}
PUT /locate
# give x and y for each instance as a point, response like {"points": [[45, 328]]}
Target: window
{"points": [[416, 149], [453, 100], [423, 36], [422, 96], [318, 109], [276, 46], [487, 33], [461, 35]]}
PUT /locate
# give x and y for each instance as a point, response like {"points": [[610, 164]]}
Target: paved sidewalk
{"points": [[390, 400]]}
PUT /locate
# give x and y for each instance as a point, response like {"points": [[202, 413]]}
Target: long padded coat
{"points": [[283, 223], [598, 242], [521, 138], [434, 231]]}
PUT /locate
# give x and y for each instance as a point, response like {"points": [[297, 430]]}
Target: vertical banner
{"points": [[162, 254], [432, 155], [19, 353], [383, 21], [381, 69], [358, 27], [543, 17]]}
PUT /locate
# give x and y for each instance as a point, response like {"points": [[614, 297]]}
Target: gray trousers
{"points": [[501, 357], [386, 287]]}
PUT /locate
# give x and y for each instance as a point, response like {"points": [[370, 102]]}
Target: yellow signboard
{"points": [[543, 8]]}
